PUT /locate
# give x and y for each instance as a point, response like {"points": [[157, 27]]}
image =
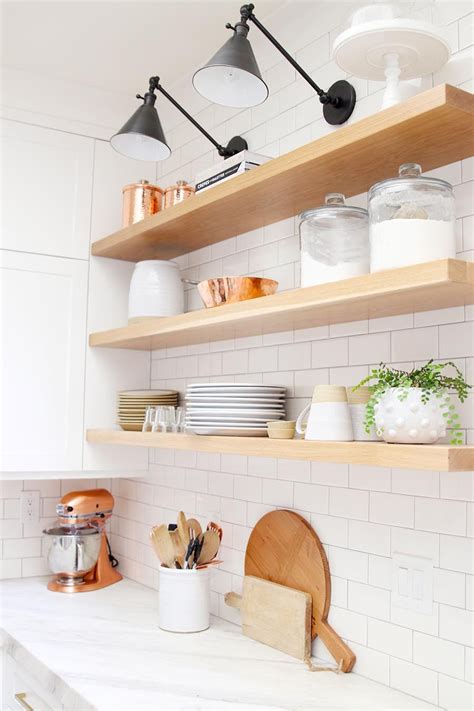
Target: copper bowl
{"points": [[229, 290]]}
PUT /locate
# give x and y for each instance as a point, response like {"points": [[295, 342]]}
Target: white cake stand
{"points": [[393, 49]]}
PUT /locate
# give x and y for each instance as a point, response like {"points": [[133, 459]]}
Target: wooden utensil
{"points": [[163, 545], [210, 547], [195, 527], [275, 615], [206, 565], [183, 529], [284, 549], [211, 526], [179, 549]]}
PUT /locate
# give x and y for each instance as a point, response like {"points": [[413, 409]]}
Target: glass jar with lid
{"points": [[411, 220], [334, 242]]}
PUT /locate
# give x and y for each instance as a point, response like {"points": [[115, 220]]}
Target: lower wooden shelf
{"points": [[404, 456]]}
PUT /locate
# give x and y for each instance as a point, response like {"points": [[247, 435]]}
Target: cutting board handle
{"points": [[233, 600], [336, 646]]}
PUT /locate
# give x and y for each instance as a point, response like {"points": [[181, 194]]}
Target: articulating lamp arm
{"points": [[224, 151], [246, 13]]}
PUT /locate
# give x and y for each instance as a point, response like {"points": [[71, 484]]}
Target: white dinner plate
{"points": [[229, 418], [228, 431], [217, 411], [205, 399], [252, 386]]}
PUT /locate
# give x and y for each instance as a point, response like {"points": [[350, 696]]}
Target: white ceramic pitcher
{"points": [[329, 416]]}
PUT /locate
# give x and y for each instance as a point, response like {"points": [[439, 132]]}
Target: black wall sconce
{"points": [[232, 76], [142, 136]]}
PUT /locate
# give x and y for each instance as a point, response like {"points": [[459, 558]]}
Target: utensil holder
{"points": [[184, 600]]}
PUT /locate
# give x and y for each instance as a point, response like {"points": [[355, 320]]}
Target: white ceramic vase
{"points": [[409, 420], [156, 289]]}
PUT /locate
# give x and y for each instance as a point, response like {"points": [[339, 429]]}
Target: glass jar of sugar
{"points": [[334, 242], [411, 220]]}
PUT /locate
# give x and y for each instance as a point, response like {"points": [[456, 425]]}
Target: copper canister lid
{"points": [[144, 184]]}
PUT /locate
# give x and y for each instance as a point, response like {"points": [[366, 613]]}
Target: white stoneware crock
{"points": [[155, 290]]}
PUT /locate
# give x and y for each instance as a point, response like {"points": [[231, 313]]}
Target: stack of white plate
{"points": [[238, 409], [132, 405]]}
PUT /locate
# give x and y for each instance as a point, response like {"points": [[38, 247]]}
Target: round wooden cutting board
{"points": [[284, 548]]}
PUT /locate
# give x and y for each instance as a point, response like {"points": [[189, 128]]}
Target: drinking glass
{"points": [[149, 420]]}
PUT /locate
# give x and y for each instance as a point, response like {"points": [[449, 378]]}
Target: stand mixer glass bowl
{"points": [[72, 552]]}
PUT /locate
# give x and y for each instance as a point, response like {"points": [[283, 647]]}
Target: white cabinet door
{"points": [[43, 322], [46, 190]]}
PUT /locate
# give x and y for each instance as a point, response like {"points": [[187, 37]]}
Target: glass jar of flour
{"points": [[411, 220], [334, 242]]}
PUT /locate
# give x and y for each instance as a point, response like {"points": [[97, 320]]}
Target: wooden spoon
{"points": [[163, 545], [183, 530], [210, 547], [179, 549], [194, 527]]}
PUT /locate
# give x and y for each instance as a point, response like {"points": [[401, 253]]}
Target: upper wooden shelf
{"points": [[422, 287], [434, 128], [439, 457]]}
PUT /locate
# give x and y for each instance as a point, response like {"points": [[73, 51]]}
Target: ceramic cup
{"points": [[184, 600], [358, 400], [329, 417], [155, 290]]}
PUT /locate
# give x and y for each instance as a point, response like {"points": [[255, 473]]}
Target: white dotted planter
{"points": [[409, 421]]}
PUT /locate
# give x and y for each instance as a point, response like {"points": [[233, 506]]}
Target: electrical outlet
{"points": [[29, 506], [412, 583]]}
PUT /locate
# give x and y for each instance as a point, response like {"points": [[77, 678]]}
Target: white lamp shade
{"points": [[232, 77], [230, 86], [140, 147]]}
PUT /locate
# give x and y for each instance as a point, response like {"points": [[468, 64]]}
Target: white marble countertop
{"points": [[104, 650]]}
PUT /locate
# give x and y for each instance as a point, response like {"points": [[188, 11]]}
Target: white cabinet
{"points": [[46, 190], [43, 321], [19, 690]]}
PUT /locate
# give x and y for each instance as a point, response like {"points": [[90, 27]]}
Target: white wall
{"points": [[363, 514]]}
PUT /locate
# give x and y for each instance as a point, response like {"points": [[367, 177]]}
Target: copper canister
{"points": [[140, 200], [177, 193]]}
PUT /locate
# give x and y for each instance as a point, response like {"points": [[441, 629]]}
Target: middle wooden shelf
{"points": [[421, 287]]}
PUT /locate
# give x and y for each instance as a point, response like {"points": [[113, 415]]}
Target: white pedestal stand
{"points": [[391, 49]]}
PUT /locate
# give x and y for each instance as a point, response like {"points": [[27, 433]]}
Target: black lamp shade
{"points": [[232, 77], [142, 136]]}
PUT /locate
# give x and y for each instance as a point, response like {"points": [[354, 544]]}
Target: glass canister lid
{"points": [[334, 208], [409, 176]]}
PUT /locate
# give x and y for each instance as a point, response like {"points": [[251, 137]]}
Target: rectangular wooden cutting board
{"points": [[275, 615]]}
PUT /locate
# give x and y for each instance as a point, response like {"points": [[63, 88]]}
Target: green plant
{"points": [[429, 379]]}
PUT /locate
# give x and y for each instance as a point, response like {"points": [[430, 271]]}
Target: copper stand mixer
{"points": [[78, 549]]}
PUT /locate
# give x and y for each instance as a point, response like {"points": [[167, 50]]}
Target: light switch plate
{"points": [[412, 583]]}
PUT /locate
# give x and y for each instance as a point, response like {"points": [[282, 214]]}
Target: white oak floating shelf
{"points": [[423, 287], [433, 128], [404, 456]]}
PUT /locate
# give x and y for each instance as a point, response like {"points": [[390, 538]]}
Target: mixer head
{"points": [[82, 508]]}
